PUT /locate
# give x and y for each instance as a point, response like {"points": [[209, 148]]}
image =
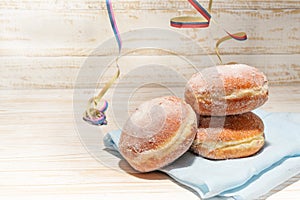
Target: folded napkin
{"points": [[245, 178]]}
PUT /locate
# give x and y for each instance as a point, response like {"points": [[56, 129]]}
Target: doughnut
{"points": [[157, 133], [229, 137], [226, 90]]}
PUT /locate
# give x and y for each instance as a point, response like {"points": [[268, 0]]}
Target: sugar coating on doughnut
{"points": [[227, 90], [157, 133], [227, 137]]}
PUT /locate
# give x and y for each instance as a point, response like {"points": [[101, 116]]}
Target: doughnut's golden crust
{"points": [[227, 90], [229, 137], [157, 133]]}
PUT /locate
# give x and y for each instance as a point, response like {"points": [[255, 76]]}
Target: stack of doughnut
{"points": [[223, 96], [214, 121]]}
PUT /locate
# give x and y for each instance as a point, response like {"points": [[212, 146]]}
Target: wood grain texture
{"points": [[44, 43], [79, 33], [145, 4], [62, 72], [42, 157]]}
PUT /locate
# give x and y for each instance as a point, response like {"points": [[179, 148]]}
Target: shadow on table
{"points": [[156, 175]]}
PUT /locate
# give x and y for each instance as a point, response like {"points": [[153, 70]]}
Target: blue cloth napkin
{"points": [[245, 178]]}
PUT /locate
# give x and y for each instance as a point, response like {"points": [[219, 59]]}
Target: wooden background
{"points": [[45, 43]]}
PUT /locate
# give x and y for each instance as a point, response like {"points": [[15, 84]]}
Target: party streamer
{"points": [[193, 22], [203, 21], [94, 115], [241, 36]]}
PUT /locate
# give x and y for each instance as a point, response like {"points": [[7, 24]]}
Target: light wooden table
{"points": [[44, 44], [41, 156]]}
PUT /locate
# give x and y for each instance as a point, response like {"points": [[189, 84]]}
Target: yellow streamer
{"points": [[223, 39]]}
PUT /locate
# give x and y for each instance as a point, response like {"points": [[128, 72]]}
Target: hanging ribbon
{"points": [[193, 22], [203, 21], [241, 36], [93, 114]]}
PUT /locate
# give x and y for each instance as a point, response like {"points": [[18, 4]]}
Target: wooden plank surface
{"points": [[49, 28], [78, 33], [44, 43], [42, 157], [145, 4], [62, 72]]}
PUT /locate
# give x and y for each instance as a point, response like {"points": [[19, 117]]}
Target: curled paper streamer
{"points": [[93, 114], [241, 36], [203, 21], [96, 116]]}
